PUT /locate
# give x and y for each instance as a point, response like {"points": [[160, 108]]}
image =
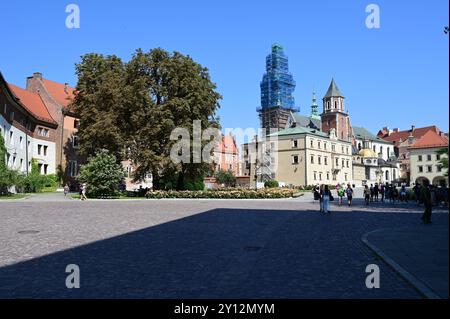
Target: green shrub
{"points": [[102, 174], [271, 184], [233, 193]]}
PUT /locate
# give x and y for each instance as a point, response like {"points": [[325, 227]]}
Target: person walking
{"points": [[349, 193], [66, 190], [341, 194], [394, 193], [371, 192], [367, 194], [425, 196], [326, 195], [83, 191], [382, 192]]}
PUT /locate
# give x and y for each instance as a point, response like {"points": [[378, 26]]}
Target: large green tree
{"points": [[132, 108], [100, 103]]}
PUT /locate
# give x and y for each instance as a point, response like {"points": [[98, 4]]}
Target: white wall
{"points": [[18, 146], [378, 147]]}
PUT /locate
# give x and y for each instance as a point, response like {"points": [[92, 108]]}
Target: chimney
{"points": [[37, 75], [395, 130], [413, 127]]}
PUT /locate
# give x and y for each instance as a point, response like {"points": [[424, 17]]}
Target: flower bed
{"points": [[225, 193]]}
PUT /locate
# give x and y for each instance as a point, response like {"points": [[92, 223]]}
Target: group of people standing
{"points": [[323, 194], [425, 194]]}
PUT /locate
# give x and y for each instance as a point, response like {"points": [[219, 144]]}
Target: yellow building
{"points": [[305, 156]]}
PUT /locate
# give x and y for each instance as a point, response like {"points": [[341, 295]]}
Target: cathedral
{"points": [[355, 155]]}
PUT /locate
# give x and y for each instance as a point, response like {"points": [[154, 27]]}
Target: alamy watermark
{"points": [[373, 279], [373, 19], [73, 19], [73, 279]]}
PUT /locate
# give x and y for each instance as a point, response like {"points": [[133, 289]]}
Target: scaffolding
{"points": [[277, 88]]}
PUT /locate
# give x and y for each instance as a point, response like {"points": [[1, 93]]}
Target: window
{"points": [[320, 176], [312, 159], [346, 177], [45, 169], [429, 169], [75, 143], [21, 164], [439, 168], [333, 147], [337, 161], [76, 124], [73, 168], [39, 149], [374, 149], [315, 176], [343, 163], [294, 143], [328, 175], [381, 151], [319, 160], [420, 169], [324, 145], [328, 105], [342, 149], [45, 150], [40, 168], [21, 142], [348, 164], [11, 138], [325, 160], [334, 177], [438, 157], [420, 158], [11, 116], [346, 150], [318, 144], [359, 146], [295, 159], [312, 143], [429, 157]]}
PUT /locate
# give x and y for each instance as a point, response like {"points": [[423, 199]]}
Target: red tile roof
{"points": [[430, 139], [32, 103], [227, 145], [62, 94], [403, 135]]}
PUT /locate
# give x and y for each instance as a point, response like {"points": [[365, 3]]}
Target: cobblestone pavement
{"points": [[196, 249]]}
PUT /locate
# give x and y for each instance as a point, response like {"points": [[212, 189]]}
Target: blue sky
{"points": [[394, 76]]}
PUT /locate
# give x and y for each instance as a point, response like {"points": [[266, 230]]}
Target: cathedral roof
{"points": [[307, 121], [333, 90], [364, 134]]}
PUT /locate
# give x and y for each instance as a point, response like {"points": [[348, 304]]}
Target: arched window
{"points": [[381, 151], [359, 146], [388, 152], [387, 176], [335, 104], [328, 105]]}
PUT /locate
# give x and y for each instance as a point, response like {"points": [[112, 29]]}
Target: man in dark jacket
{"points": [[425, 196]]}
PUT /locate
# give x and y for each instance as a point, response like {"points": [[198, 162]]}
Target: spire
{"points": [[314, 107], [333, 90]]}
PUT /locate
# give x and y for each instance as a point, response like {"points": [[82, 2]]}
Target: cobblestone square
{"points": [[197, 248]]}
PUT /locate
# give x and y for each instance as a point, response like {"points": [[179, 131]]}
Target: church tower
{"points": [[334, 114]]}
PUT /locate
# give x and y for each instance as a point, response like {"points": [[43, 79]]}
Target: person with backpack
{"points": [[349, 193], [341, 194]]}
